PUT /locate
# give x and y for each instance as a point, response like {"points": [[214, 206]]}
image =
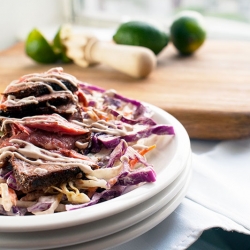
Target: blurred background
{"points": [[104, 12], [227, 19]]}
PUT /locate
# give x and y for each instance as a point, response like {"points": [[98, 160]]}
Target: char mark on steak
{"points": [[48, 140], [31, 177], [29, 89], [45, 104], [45, 93], [37, 88], [45, 131]]}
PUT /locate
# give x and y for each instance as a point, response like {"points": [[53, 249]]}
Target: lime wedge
{"points": [[59, 47], [39, 49]]}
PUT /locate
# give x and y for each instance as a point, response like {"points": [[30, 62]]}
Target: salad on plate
{"points": [[66, 144]]}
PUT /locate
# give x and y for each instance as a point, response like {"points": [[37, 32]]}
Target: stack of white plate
{"points": [[116, 221]]}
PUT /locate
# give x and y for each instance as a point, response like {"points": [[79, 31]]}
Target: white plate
{"points": [[169, 159], [135, 230], [97, 229]]}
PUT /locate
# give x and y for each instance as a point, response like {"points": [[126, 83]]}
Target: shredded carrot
{"points": [[13, 196], [91, 191], [74, 154], [112, 181], [133, 162], [81, 97], [100, 115]]}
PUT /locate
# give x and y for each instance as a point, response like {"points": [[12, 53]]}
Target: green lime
{"points": [[38, 48], [188, 32], [140, 33], [59, 47]]}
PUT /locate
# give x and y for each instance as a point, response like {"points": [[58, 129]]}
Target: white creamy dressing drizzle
{"points": [[28, 100], [39, 157], [29, 83], [107, 127], [54, 72], [81, 145], [52, 76], [31, 119], [111, 129], [71, 110], [101, 126], [40, 171], [45, 79]]}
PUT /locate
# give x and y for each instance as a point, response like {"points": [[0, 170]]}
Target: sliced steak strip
{"points": [[53, 123], [49, 141], [45, 104], [45, 131], [36, 88], [27, 89], [50, 92], [30, 177]]}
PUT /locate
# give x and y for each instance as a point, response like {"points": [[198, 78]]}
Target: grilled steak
{"points": [[46, 93], [49, 133], [49, 141], [30, 177], [27, 89], [37, 89], [46, 131], [38, 114], [45, 104]]}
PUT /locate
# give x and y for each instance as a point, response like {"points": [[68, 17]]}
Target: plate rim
{"points": [[136, 230], [83, 234]]}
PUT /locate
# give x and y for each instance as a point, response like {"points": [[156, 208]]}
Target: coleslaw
{"points": [[111, 161]]}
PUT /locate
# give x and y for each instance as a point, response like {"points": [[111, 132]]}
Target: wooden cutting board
{"points": [[209, 92]]}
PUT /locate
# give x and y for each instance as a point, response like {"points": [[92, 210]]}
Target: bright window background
{"points": [[227, 18], [17, 17], [113, 10]]}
